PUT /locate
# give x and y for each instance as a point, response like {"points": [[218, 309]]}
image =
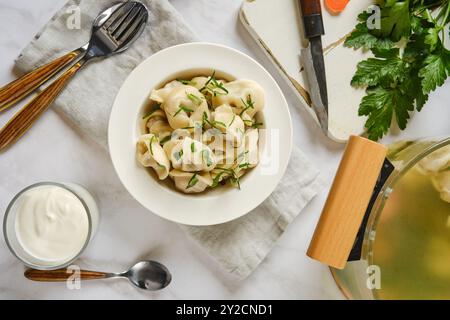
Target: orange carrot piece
{"points": [[336, 6]]}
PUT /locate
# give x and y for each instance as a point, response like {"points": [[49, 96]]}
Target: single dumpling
{"points": [[184, 105], [191, 182], [229, 123], [441, 181], [436, 161], [190, 155], [156, 123], [151, 154], [245, 96]]}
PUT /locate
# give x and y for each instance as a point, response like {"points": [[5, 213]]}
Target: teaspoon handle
{"points": [[63, 275]]}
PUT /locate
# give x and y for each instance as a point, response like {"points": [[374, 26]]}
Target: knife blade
{"points": [[313, 61]]}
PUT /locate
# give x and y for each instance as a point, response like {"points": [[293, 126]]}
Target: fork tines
{"points": [[126, 21]]}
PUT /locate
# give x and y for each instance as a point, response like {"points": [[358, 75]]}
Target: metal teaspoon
{"points": [[148, 275]]}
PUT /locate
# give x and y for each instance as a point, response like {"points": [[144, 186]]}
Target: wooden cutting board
{"points": [[277, 27]]}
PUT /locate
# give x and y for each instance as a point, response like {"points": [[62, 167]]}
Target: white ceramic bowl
{"points": [[222, 204]]}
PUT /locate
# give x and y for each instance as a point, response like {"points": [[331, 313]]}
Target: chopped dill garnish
{"points": [[195, 100], [214, 86], [152, 110], [244, 165], [206, 156], [187, 82], [216, 179], [220, 123], [165, 139], [249, 104], [234, 117], [233, 178], [242, 155], [193, 181], [178, 155], [213, 124], [253, 124], [183, 108], [150, 144]]}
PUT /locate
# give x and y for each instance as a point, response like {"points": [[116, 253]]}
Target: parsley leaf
{"points": [[361, 37], [380, 104], [402, 73], [395, 20], [374, 71], [434, 71]]}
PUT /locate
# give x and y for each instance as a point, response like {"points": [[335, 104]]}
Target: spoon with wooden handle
{"points": [[148, 275], [121, 29]]}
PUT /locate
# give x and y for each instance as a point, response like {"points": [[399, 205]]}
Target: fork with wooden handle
{"points": [[20, 88], [120, 26], [15, 91]]}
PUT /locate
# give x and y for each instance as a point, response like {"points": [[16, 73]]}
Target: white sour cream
{"points": [[51, 223]]}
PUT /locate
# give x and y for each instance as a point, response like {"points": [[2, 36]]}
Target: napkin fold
{"points": [[239, 246]]}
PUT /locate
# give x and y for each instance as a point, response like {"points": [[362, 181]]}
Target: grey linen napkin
{"points": [[239, 246]]}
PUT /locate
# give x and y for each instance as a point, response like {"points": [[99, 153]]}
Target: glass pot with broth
{"points": [[405, 250]]}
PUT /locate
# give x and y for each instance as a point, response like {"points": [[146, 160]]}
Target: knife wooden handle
{"points": [[347, 202], [25, 118], [312, 18], [310, 7], [20, 88], [61, 275]]}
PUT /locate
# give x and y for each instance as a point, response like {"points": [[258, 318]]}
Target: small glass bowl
{"points": [[13, 243]]}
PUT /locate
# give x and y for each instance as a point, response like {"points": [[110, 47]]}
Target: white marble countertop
{"points": [[57, 152]]}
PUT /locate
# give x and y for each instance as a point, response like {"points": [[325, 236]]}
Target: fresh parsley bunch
{"points": [[410, 60]]}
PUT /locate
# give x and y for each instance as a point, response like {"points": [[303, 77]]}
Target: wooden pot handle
{"points": [[61, 275], [25, 118], [347, 202], [20, 88]]}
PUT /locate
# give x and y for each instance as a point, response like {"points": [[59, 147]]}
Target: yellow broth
{"points": [[412, 242]]}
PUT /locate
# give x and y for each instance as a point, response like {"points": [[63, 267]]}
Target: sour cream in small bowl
{"points": [[48, 225]]}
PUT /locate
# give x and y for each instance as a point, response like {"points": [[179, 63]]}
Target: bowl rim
{"points": [[276, 91]]}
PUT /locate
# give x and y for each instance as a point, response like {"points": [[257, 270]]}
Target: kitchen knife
{"points": [[312, 59]]}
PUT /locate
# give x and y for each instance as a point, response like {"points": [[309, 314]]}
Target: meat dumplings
{"points": [[202, 132]]}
